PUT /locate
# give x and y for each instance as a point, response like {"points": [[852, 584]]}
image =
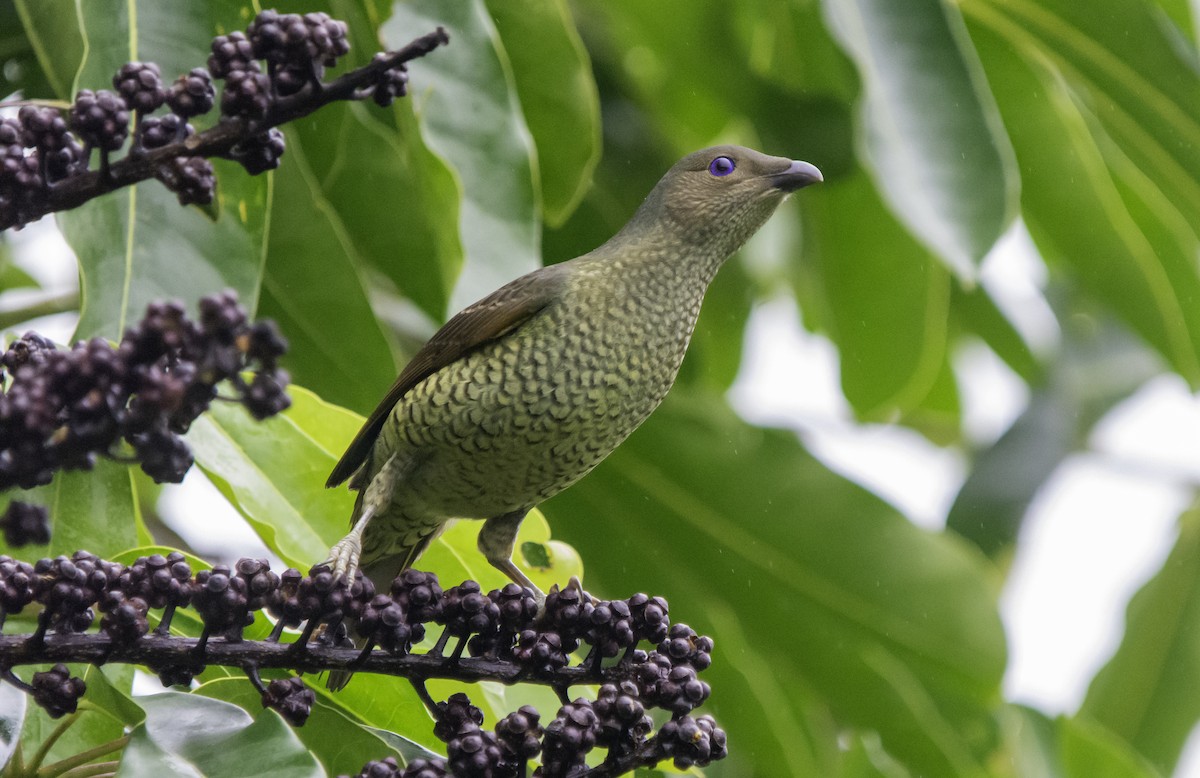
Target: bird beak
{"points": [[799, 174]]}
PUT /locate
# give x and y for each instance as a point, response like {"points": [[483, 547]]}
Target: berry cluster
{"points": [[62, 408], [25, 524], [501, 628], [44, 148]]}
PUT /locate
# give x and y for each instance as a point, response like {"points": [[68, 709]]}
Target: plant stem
{"points": [[43, 305], [81, 759]]}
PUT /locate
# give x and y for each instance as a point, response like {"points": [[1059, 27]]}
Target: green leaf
{"points": [[91, 728], [1143, 695], [1091, 751], [341, 744], [928, 129], [553, 79], [1032, 739], [866, 758], [52, 35], [1068, 748], [138, 245], [1079, 389], [103, 696], [978, 312], [487, 146], [93, 510], [274, 471], [364, 168], [892, 628], [882, 297], [12, 717], [391, 204], [190, 735], [313, 290], [1109, 169], [13, 277]]}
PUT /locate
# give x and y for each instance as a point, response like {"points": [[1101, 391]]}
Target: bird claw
{"points": [[344, 556]]}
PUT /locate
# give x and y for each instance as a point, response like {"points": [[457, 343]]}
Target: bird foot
{"points": [[344, 556]]}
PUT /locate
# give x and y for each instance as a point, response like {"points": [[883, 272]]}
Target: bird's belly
{"points": [[516, 423]]}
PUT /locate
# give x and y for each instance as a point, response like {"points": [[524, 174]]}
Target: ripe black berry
{"points": [[57, 691], [569, 737], [140, 83], [540, 652], [456, 716], [192, 94], [100, 118], [191, 178], [25, 524], [16, 586], [520, 737], [692, 742], [247, 92], [382, 622], [42, 128], [426, 768], [292, 698], [230, 52], [260, 153]]}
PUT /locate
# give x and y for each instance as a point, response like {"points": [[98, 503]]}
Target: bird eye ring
{"points": [[721, 166]]}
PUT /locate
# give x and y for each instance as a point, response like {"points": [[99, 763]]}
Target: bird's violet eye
{"points": [[721, 166]]}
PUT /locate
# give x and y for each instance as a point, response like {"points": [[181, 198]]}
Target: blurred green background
{"points": [[849, 641]]}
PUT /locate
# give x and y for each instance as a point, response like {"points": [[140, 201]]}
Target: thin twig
{"points": [[40, 755], [76, 761]]}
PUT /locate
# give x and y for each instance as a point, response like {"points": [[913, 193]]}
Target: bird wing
{"points": [[499, 313]]}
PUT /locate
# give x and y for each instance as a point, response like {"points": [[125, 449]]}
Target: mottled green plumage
{"points": [[524, 392]]}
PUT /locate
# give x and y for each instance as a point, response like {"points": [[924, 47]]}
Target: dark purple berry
{"points": [[192, 94], [25, 524], [191, 179], [140, 83], [101, 119]]}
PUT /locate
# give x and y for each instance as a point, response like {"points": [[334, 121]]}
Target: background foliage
{"points": [[849, 642]]}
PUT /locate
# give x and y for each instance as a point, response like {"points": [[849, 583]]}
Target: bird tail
{"points": [[382, 572]]}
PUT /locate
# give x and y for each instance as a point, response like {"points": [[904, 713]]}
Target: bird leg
{"points": [[344, 556], [496, 540]]}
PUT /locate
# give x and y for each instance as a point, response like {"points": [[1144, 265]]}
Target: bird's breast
{"points": [[525, 416]]}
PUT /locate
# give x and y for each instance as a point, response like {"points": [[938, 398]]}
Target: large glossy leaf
{"points": [[1126, 64], [1091, 751], [553, 79], [929, 130], [138, 244], [93, 510], [391, 204], [470, 117], [1143, 693], [341, 744], [190, 735], [1109, 175], [881, 296], [314, 291], [97, 725], [807, 583], [274, 472], [52, 34], [1068, 748]]}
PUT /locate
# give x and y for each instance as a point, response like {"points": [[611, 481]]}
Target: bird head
{"points": [[716, 198]]}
